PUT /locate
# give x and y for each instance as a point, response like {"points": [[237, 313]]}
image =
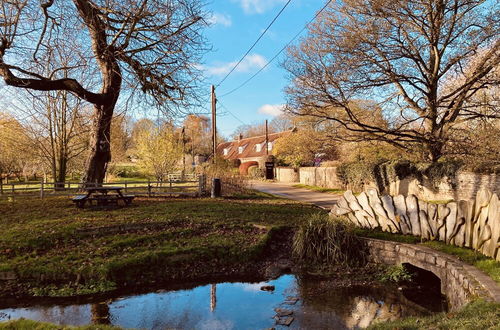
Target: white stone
{"points": [[388, 205], [413, 215], [443, 212], [494, 222], [400, 207], [451, 221]]}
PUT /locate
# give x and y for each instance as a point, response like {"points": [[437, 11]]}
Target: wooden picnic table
{"points": [[103, 196]]}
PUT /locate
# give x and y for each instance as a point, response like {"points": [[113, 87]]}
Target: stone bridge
{"points": [[460, 282]]}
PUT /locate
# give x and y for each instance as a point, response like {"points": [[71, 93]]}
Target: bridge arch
{"points": [[460, 282]]}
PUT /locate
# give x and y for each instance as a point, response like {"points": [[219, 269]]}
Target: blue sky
{"points": [[236, 24]]}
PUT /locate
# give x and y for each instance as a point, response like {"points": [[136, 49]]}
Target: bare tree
{"points": [[153, 45], [399, 55]]}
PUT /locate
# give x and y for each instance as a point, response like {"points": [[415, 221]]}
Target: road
{"points": [[323, 200]]}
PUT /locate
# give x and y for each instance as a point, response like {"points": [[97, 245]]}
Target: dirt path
{"points": [[323, 200]]}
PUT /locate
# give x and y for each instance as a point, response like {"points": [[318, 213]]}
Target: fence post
{"points": [[13, 191], [125, 186], [1, 184], [149, 188], [200, 185], [41, 190]]}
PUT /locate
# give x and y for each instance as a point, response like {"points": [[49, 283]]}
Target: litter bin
{"points": [[216, 188]]}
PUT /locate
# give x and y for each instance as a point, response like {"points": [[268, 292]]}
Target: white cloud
{"points": [[272, 109], [221, 19], [258, 6], [252, 61]]}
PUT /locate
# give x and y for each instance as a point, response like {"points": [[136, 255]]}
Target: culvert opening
{"points": [[424, 289]]}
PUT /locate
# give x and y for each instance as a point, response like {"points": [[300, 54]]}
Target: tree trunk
{"points": [[435, 150], [100, 148]]}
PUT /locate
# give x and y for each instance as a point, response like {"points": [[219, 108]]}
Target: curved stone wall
{"points": [[460, 282], [474, 223]]}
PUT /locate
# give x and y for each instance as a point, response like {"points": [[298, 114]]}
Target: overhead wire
{"points": [[254, 44], [279, 53], [229, 112]]}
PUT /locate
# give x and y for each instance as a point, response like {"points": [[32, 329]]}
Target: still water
{"points": [[306, 303]]}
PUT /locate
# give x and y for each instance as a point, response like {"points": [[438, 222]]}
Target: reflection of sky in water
{"points": [[238, 306]]}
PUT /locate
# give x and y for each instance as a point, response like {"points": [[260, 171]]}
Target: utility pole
{"points": [[214, 124], [184, 151], [267, 140]]}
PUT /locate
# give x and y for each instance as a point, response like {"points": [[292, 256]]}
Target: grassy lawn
{"points": [[480, 261], [23, 324], [56, 249], [476, 315], [319, 189]]}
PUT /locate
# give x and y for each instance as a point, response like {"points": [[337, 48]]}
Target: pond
{"points": [[299, 302]]}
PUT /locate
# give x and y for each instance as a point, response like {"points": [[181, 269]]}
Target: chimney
{"points": [[240, 137]]}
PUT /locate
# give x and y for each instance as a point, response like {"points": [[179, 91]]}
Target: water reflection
{"points": [[321, 305]]}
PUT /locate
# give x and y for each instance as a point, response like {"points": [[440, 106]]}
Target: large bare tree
{"points": [[401, 55], [152, 45]]}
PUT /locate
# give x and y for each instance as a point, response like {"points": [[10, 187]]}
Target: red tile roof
{"points": [[249, 146]]}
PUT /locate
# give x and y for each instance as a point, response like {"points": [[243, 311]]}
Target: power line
{"points": [[255, 43], [229, 112], [279, 53]]}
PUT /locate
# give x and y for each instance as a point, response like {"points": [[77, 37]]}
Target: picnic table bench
{"points": [[102, 197]]}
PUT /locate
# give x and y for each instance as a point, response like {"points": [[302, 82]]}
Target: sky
{"points": [[236, 24]]}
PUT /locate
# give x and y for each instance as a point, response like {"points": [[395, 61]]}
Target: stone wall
{"points": [[459, 282], [285, 174], [463, 186], [474, 223]]}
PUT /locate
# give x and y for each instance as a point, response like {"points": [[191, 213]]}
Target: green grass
{"points": [[480, 261], [57, 249], [23, 324], [319, 189], [476, 315]]}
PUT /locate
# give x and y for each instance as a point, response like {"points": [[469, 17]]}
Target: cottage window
{"points": [[226, 151], [240, 149], [258, 147], [270, 146]]}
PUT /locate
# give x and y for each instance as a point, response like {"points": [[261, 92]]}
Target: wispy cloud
{"points": [[272, 109], [258, 6], [220, 19], [251, 62]]}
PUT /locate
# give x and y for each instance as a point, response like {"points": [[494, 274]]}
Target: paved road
{"points": [[323, 200]]}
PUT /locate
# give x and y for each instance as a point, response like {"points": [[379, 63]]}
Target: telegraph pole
{"points": [[184, 151], [267, 140], [214, 124]]}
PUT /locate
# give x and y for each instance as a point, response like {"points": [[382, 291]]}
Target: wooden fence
{"points": [[176, 185]]}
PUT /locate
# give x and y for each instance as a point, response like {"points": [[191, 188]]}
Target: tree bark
{"points": [[100, 148]]}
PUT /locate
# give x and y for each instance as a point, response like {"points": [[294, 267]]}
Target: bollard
{"points": [[216, 188]]}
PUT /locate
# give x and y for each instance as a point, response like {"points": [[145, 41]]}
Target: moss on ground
{"points": [[476, 315], [23, 324], [57, 249]]}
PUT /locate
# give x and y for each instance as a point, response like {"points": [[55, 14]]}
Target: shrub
{"points": [[397, 274], [356, 174], [255, 172], [231, 180], [322, 240]]}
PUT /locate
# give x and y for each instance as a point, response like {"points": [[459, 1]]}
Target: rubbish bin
{"points": [[216, 188]]}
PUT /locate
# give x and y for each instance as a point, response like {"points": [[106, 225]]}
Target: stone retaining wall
{"points": [[464, 185], [285, 174], [460, 282], [474, 223]]}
